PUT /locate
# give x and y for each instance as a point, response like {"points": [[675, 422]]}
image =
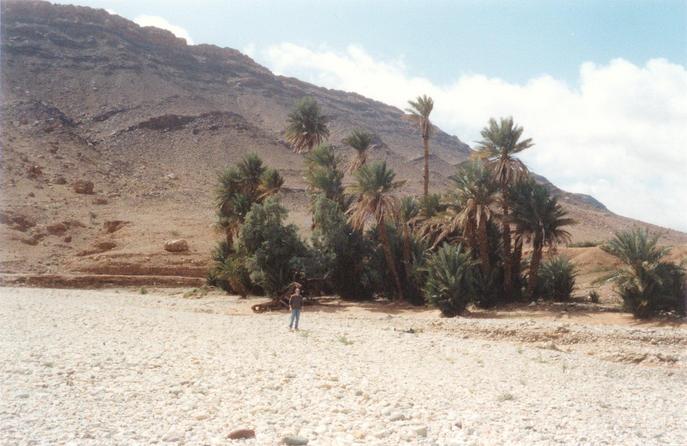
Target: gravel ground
{"points": [[118, 367]]}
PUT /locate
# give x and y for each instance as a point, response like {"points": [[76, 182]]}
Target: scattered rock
{"points": [[98, 248], [62, 227], [83, 187], [421, 431], [60, 180], [57, 228], [100, 200], [68, 239], [178, 245], [29, 241], [173, 436], [105, 246], [171, 176], [294, 441], [15, 221], [397, 417], [34, 171], [240, 434], [114, 225]]}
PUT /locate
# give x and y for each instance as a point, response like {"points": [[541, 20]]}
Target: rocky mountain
{"points": [[112, 135]]}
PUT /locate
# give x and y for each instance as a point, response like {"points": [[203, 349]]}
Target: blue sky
{"points": [[601, 86], [442, 39]]}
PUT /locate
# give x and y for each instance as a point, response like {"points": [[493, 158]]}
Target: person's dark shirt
{"points": [[296, 301]]}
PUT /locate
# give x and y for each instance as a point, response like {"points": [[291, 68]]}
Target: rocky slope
{"points": [[112, 135]]}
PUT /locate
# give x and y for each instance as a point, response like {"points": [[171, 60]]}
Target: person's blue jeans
{"points": [[295, 316]]}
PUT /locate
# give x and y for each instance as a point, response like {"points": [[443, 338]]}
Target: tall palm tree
{"points": [[475, 194], [361, 142], [306, 126], [500, 142], [374, 187], [419, 112], [538, 218]]}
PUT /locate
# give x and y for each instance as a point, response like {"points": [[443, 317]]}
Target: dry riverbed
{"points": [[120, 367]]}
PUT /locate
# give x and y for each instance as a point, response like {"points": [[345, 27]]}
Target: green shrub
{"points": [[216, 274], [236, 274], [450, 284], [647, 284], [271, 248], [343, 253], [557, 278], [412, 276]]}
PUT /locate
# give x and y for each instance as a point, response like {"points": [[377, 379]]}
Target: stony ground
{"points": [[120, 367]]}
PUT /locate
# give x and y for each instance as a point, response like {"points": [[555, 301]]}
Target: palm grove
{"points": [[450, 250]]}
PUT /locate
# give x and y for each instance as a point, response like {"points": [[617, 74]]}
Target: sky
{"points": [[600, 86]]}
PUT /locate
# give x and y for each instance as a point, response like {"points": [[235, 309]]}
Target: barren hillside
{"points": [[91, 97]]}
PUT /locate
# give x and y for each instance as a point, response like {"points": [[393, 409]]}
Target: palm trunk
{"points": [[386, 246], [484, 247], [534, 267], [407, 260], [517, 257], [507, 259], [230, 238], [425, 140]]}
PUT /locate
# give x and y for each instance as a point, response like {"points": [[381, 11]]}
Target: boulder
{"points": [[83, 187], [178, 245], [241, 434]]}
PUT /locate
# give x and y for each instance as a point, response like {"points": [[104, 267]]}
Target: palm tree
{"points": [[538, 218], [240, 186], [306, 126], [227, 199], [323, 174], [419, 112], [646, 282], [475, 195], [374, 187], [361, 141], [501, 141]]}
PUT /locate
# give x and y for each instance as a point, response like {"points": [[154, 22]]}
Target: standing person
{"points": [[295, 305]]}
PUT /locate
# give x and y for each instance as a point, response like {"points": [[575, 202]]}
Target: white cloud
{"points": [[620, 134], [159, 22]]}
